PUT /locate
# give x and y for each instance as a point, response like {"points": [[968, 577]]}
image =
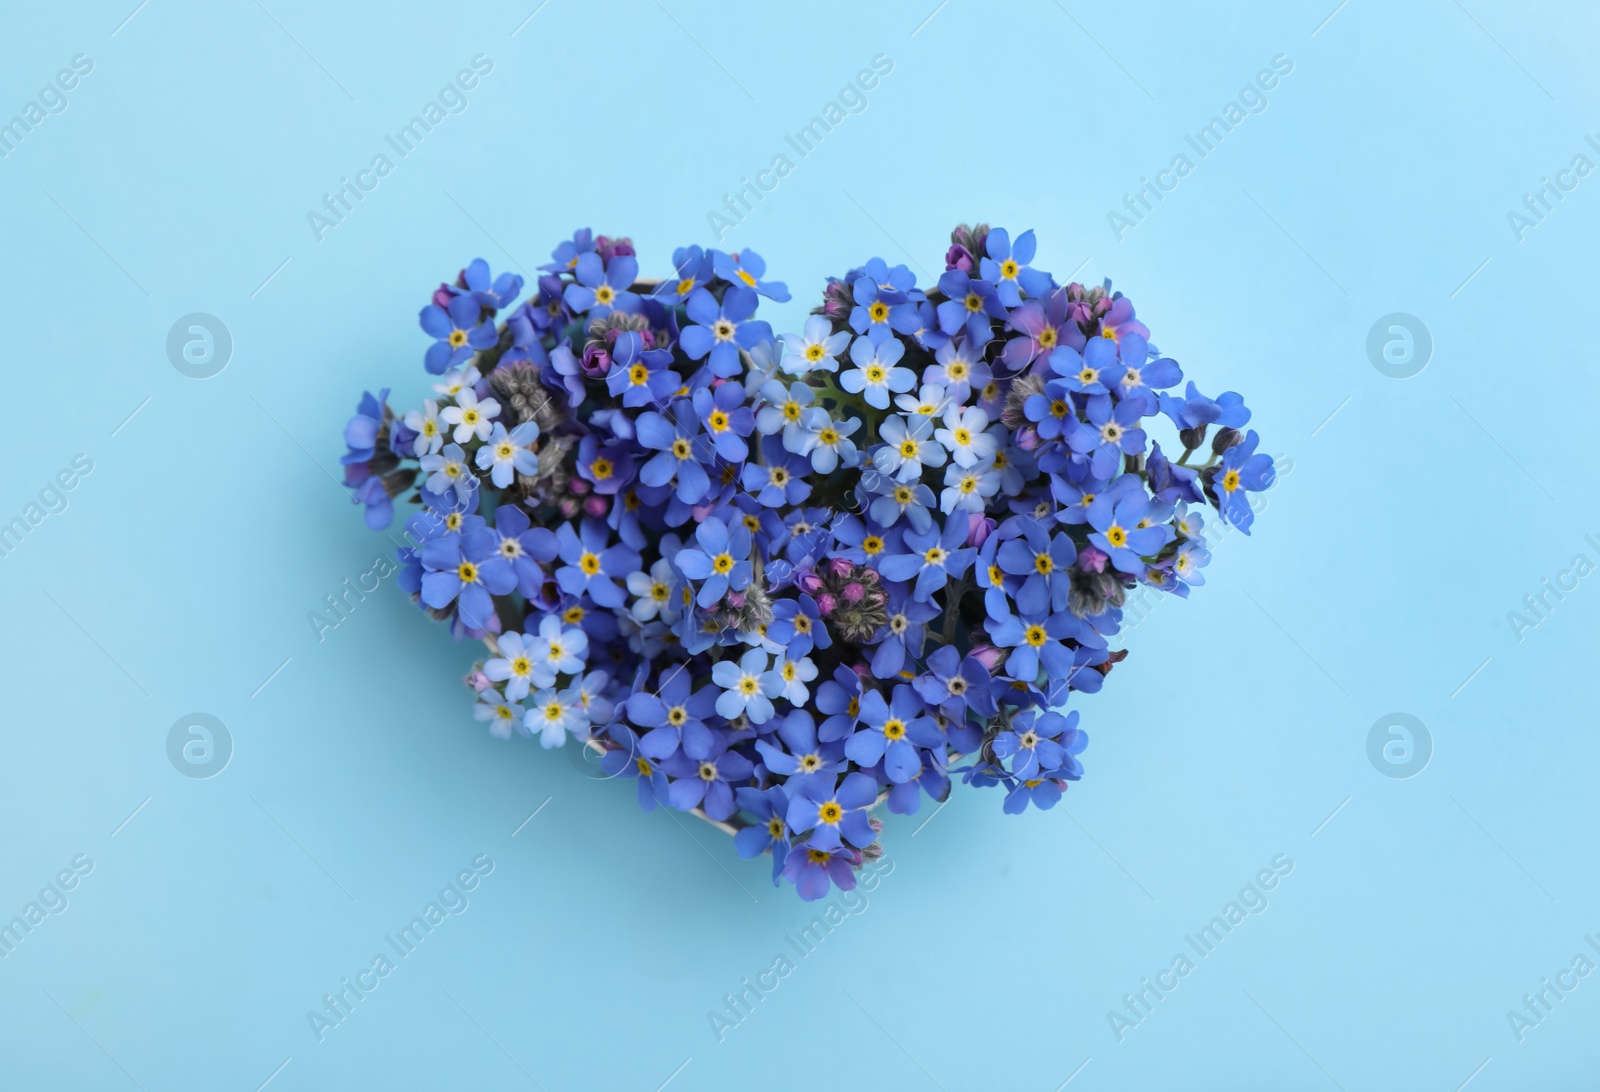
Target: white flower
{"points": [[930, 401], [452, 382], [963, 434], [517, 668], [425, 423], [470, 416]]}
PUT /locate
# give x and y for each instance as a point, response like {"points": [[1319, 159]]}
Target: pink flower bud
{"points": [[1027, 437], [979, 527], [1093, 560], [826, 603], [579, 486], [478, 681], [735, 599], [854, 592], [840, 567], [595, 506], [987, 655], [442, 296], [808, 582]]}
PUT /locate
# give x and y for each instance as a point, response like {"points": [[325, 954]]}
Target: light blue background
{"points": [[1379, 579]]}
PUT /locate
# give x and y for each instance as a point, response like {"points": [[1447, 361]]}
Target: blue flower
{"points": [[932, 558], [720, 558], [603, 287], [746, 268], [707, 783], [833, 814], [970, 308], [780, 479], [902, 636], [469, 568], [812, 870], [675, 715], [955, 683], [797, 625], [639, 375], [747, 686], [721, 330], [592, 565], [459, 333], [801, 756], [893, 731], [1195, 409], [492, 292], [566, 254], [960, 369], [784, 410], [828, 442], [1122, 531], [1032, 743], [726, 419], [507, 454], [1112, 431], [1044, 561], [839, 700], [769, 832], [680, 448], [1006, 267], [900, 499], [1242, 472], [1035, 640], [626, 760]]}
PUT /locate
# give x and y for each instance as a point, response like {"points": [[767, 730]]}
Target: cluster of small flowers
{"points": [[668, 525]]}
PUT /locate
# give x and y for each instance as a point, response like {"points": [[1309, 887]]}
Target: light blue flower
{"points": [[747, 687], [815, 349]]}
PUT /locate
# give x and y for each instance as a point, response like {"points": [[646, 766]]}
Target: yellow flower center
{"points": [[722, 564], [468, 572], [458, 338], [879, 311], [680, 448], [894, 728], [589, 563], [830, 813], [1230, 481], [814, 352], [1044, 564], [1036, 636], [871, 545], [604, 294], [601, 469], [1116, 535], [1008, 269]]}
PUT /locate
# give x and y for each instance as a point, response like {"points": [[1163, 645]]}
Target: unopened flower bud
{"points": [[979, 528], [840, 566], [987, 655], [854, 592], [1224, 439], [826, 603], [1092, 559], [1192, 438]]}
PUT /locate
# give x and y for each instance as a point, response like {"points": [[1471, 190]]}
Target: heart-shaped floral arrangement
{"points": [[782, 581]]}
